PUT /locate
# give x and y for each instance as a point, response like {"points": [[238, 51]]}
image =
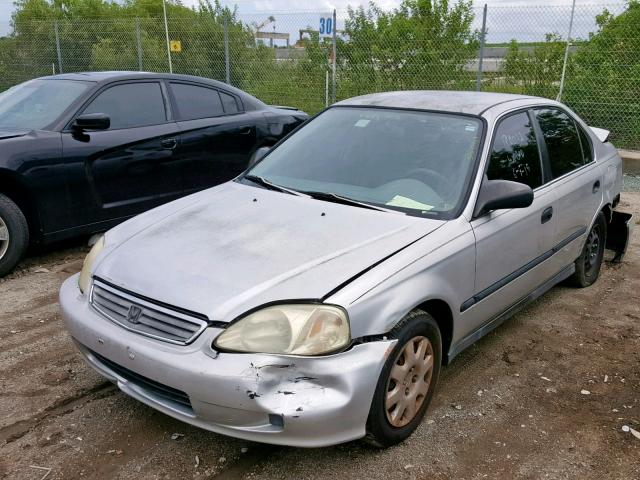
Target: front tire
{"points": [[407, 382], [589, 262], [14, 235]]}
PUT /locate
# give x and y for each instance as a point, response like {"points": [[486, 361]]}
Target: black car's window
{"points": [[196, 102], [515, 155], [563, 144], [229, 103], [37, 103], [131, 105], [586, 146]]}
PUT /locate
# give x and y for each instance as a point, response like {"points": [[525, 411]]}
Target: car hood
{"points": [[7, 133], [237, 247]]}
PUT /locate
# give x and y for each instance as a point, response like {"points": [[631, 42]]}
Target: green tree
{"points": [[535, 69], [99, 34], [421, 44], [604, 83]]}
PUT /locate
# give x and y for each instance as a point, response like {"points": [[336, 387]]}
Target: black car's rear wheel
{"points": [[589, 262], [407, 382], [14, 235]]}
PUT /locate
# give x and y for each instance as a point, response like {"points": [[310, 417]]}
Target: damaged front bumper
{"points": [[286, 400]]}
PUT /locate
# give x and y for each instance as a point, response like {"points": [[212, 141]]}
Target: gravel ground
{"points": [[509, 407], [631, 183]]}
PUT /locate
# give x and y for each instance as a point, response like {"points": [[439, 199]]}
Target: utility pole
{"points": [[139, 44], [227, 66], [483, 35], [566, 52], [58, 49], [166, 31], [333, 60]]}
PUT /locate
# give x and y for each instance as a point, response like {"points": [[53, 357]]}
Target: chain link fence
{"points": [[591, 58]]}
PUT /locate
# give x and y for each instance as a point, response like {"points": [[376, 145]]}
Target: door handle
{"points": [[245, 130], [547, 213], [169, 143], [596, 186]]}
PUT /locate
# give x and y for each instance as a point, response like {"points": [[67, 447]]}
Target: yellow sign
{"points": [[175, 45]]}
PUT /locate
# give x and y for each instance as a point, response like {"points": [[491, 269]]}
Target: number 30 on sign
{"points": [[326, 25]]}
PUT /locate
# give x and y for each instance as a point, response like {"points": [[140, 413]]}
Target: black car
{"points": [[81, 152]]}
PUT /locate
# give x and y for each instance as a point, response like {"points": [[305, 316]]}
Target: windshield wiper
{"points": [[271, 186], [335, 198]]}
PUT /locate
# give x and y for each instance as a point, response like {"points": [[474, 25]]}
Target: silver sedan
{"points": [[313, 299]]}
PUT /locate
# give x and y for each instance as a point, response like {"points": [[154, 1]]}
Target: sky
{"points": [[525, 20]]}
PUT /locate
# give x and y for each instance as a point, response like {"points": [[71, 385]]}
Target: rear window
{"points": [[229, 102], [197, 102], [563, 143], [586, 146]]}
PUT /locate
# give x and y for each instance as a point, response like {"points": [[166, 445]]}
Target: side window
{"points": [[229, 102], [131, 105], [197, 102], [563, 144], [586, 146], [515, 155]]}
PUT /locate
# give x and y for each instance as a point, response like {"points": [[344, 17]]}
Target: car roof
{"points": [[126, 75], [474, 103], [115, 76]]}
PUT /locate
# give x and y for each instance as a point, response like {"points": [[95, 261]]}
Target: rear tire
{"points": [[407, 382], [589, 262], [14, 235]]}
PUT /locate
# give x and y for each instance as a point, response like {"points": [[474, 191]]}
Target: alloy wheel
{"points": [[409, 381]]}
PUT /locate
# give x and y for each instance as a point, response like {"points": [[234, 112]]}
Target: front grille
{"points": [[157, 389], [144, 317]]}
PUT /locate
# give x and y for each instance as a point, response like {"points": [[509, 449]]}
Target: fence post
{"points": [[333, 60], [55, 28], [166, 32], [483, 34], [326, 89], [566, 52], [139, 44], [227, 66]]}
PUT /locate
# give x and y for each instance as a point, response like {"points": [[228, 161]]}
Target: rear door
{"points": [[575, 177], [512, 245], [217, 136], [130, 167]]}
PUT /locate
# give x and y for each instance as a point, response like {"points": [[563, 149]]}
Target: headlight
{"points": [[87, 266], [304, 329]]}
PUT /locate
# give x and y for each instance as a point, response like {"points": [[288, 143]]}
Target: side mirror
{"points": [[258, 155], [502, 194], [92, 121]]}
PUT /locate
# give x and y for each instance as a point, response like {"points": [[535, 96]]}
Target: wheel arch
{"points": [[608, 211], [443, 315], [13, 187]]}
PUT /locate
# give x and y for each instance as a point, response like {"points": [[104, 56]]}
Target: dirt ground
{"points": [[509, 407]]}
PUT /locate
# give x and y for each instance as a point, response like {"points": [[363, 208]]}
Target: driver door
{"points": [[513, 246], [132, 166]]}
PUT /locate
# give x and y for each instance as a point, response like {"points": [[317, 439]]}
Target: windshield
{"points": [[35, 104], [416, 162]]}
